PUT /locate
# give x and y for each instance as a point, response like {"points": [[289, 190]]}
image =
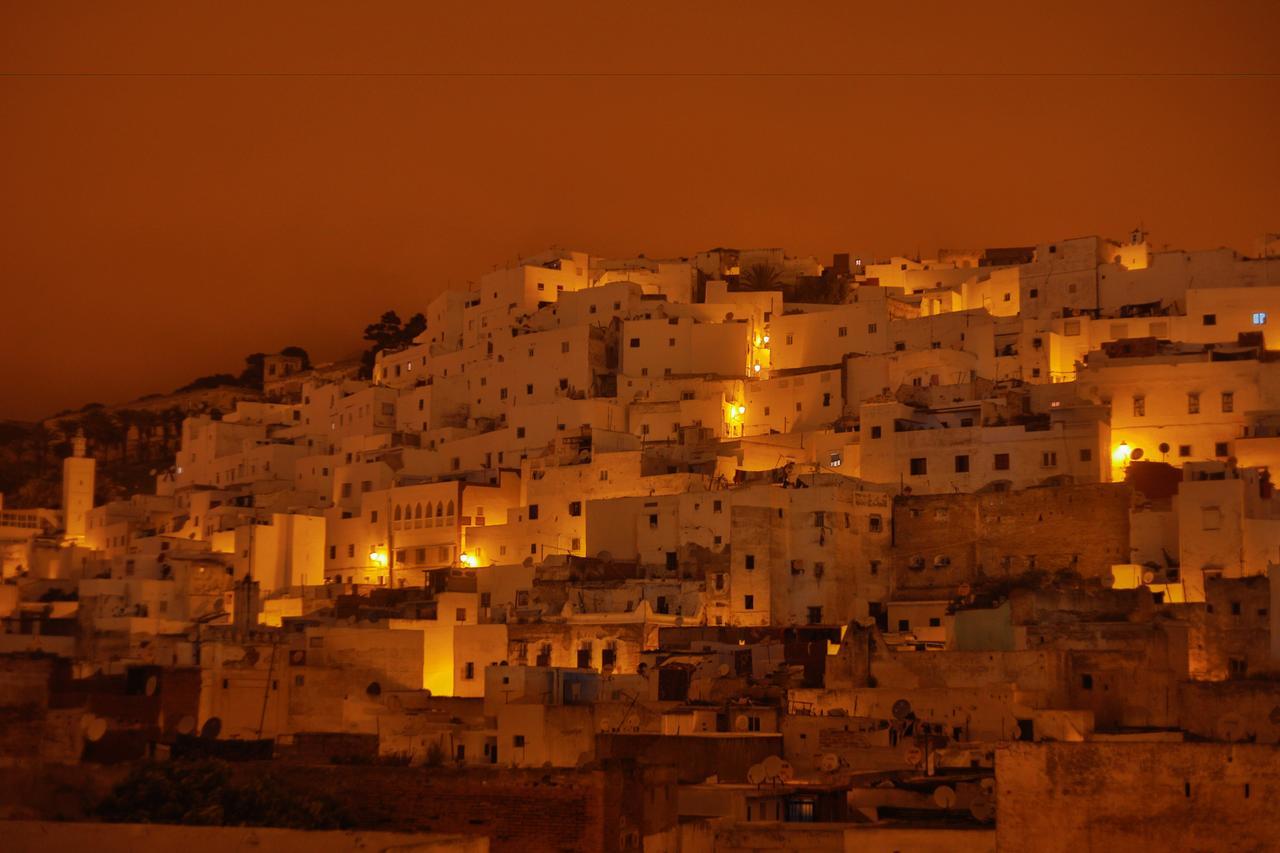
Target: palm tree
{"points": [[760, 277]]}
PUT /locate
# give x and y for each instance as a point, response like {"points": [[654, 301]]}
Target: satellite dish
{"points": [[963, 590], [901, 709], [186, 725], [988, 785], [772, 767], [374, 689], [1136, 454], [756, 774], [1164, 447], [250, 655], [152, 684], [211, 729], [944, 796], [604, 557], [786, 772], [983, 809], [829, 762], [740, 724], [95, 729], [913, 755], [1148, 577], [679, 621], [723, 670]]}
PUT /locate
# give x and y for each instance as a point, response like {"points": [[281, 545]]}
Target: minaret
{"points": [[77, 489]]}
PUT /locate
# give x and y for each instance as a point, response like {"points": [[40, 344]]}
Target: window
{"points": [[1033, 293], [1184, 450], [790, 340], [1139, 406], [1193, 402], [1259, 318], [875, 432], [1086, 681], [1210, 319], [1071, 328], [1228, 401], [373, 516], [717, 506], [575, 508], [460, 614], [333, 552], [871, 328], [962, 464], [564, 346], [748, 602], [919, 466], [1002, 462], [517, 740], [1049, 459], [875, 523], [815, 615], [351, 551], [935, 622], [469, 670], [1220, 448], [635, 343], [1086, 454], [519, 432], [842, 332], [749, 561], [904, 624], [533, 512]]}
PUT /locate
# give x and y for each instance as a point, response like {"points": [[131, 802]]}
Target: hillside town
{"points": [[735, 551]]}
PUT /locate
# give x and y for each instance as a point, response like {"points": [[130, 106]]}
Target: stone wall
{"points": [[1073, 797]]}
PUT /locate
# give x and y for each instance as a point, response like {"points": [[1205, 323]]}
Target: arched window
{"points": [[397, 515], [439, 512], [449, 510], [417, 511]]}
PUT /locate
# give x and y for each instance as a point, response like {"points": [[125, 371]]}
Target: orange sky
{"points": [[181, 184]]}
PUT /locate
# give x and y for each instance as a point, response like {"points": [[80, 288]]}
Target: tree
{"points": [[760, 277], [389, 333], [206, 793], [252, 375], [298, 352]]}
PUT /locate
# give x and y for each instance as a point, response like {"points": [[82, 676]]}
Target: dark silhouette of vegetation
{"points": [[206, 793], [760, 277], [389, 333], [299, 352]]}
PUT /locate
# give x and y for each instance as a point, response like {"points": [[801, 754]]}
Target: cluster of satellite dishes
{"points": [[978, 798], [772, 771]]}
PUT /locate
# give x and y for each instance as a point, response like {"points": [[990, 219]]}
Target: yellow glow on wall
{"points": [[468, 560], [1121, 454], [378, 558]]}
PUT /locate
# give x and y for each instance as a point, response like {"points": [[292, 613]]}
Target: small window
{"points": [[935, 622], [1086, 681], [1049, 459], [875, 432], [919, 466], [517, 740], [1210, 319], [749, 561], [962, 464], [1086, 454], [1193, 402], [575, 508], [1259, 319], [635, 343], [1139, 406], [1002, 462], [469, 671], [1184, 450], [748, 602], [1220, 449], [533, 512], [1228, 401], [842, 332], [875, 523]]}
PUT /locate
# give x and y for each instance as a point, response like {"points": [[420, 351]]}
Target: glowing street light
{"points": [[468, 560], [1121, 454]]}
